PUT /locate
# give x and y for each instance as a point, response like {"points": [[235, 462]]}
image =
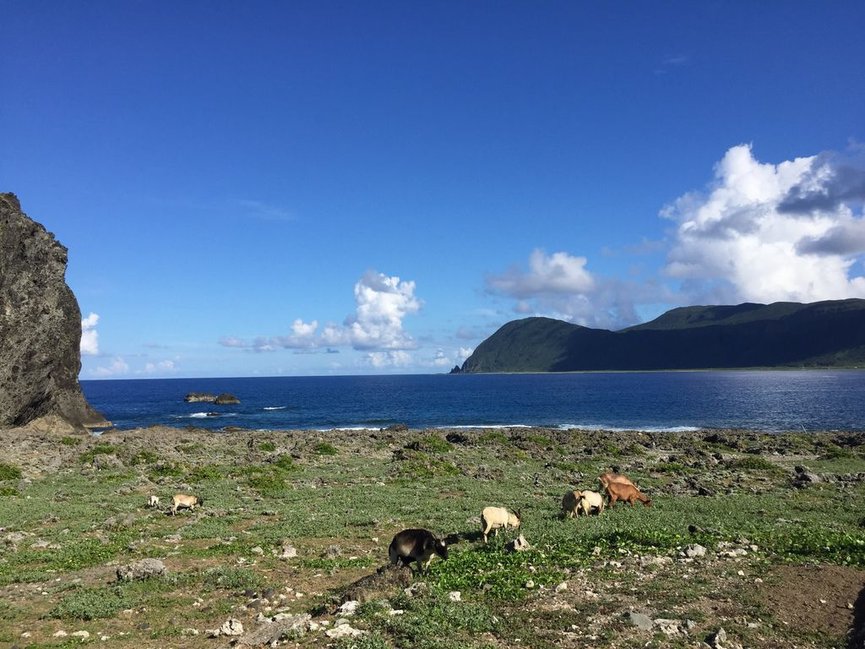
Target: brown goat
{"points": [[610, 477], [627, 493], [570, 501]]}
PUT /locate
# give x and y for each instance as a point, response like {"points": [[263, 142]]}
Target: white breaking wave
{"points": [[275, 407], [211, 415], [639, 429]]}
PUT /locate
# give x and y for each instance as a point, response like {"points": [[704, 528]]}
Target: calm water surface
{"points": [[761, 400]]}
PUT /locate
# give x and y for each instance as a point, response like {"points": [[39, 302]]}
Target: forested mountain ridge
{"points": [[782, 334]]}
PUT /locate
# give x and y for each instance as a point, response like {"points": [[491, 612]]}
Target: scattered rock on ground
{"points": [[144, 569]]}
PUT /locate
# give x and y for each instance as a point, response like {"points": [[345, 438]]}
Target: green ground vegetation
{"points": [[339, 502]]}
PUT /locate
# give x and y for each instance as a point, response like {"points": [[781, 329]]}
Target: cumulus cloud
{"points": [[118, 367], [829, 184], [381, 305], [559, 273], [560, 286], [161, 367], [759, 232], [766, 232], [89, 335], [394, 358]]}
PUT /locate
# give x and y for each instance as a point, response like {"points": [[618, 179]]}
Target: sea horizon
{"points": [[766, 400]]}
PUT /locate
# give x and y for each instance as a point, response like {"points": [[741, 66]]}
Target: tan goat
{"points": [[492, 518], [184, 501]]}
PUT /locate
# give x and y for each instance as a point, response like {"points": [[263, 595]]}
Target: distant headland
{"points": [[779, 335]]}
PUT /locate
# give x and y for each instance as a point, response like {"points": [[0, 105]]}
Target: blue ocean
{"points": [[654, 401]]}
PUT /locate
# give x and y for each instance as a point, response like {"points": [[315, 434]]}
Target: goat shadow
{"points": [[457, 537]]}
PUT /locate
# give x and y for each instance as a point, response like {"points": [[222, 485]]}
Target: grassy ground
{"points": [[784, 566]]}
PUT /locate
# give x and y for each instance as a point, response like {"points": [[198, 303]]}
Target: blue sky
{"points": [[296, 188]]}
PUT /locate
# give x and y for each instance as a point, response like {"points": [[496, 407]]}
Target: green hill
{"points": [[783, 334]]}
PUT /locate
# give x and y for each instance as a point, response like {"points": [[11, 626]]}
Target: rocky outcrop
{"points": [[40, 326], [205, 397]]}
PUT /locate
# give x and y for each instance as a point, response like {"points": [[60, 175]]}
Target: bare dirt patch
{"points": [[823, 599]]}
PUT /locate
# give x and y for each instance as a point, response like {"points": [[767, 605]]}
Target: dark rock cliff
{"points": [[40, 326]]}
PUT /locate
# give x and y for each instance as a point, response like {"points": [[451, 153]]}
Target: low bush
{"points": [[91, 604], [9, 472]]}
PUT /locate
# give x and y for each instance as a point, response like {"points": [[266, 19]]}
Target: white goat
{"points": [[492, 518], [591, 500]]}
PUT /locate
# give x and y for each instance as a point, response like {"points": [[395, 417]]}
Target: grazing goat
{"points": [[570, 501], [492, 518], [610, 477], [182, 501], [591, 501], [628, 493], [416, 545], [153, 501]]}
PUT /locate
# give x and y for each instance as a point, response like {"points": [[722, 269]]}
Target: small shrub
{"points": [[418, 465], [267, 447], [8, 491], [70, 441], [9, 472], [144, 457], [493, 437], [100, 449], [284, 462], [205, 472], [429, 444], [165, 470], [839, 453], [539, 440], [268, 478], [91, 604], [232, 578], [323, 448], [671, 467]]}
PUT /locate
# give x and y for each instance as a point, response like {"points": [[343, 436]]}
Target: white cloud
{"points": [[760, 232], [381, 304], [751, 237], [162, 367], [560, 286], [559, 273], [394, 358], [89, 336], [118, 367]]}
